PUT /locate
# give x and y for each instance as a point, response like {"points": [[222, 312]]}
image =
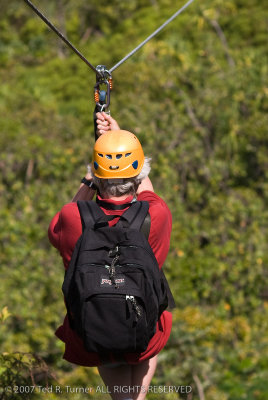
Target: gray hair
{"points": [[119, 187]]}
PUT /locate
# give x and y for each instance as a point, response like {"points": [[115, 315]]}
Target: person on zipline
{"points": [[64, 231]]}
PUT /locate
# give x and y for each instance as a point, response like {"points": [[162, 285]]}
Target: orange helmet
{"points": [[117, 154]]}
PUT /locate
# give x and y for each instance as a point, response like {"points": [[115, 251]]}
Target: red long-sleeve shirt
{"points": [[64, 231]]}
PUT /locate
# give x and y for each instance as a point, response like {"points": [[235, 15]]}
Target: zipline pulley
{"points": [[102, 97], [102, 93]]}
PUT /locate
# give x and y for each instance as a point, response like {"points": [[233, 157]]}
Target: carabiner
{"points": [[97, 94], [103, 77]]}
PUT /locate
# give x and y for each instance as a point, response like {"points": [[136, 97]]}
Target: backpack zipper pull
{"points": [[135, 305], [112, 271]]}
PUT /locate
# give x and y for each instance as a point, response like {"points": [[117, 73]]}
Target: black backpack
{"points": [[114, 291]]}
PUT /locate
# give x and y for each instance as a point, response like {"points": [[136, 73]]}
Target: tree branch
{"points": [[196, 123], [199, 387], [223, 40]]}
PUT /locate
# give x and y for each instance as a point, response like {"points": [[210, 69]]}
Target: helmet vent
{"points": [[118, 156], [127, 154], [109, 156], [135, 164]]}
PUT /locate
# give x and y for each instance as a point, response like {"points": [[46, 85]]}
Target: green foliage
{"points": [[196, 95], [21, 375]]}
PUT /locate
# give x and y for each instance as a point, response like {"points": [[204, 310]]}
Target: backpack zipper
{"points": [[138, 247]]}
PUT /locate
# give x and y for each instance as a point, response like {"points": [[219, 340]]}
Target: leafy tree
{"points": [[196, 95]]}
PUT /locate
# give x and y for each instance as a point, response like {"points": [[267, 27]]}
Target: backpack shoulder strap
{"points": [[135, 215], [90, 212], [171, 301], [71, 268], [146, 226]]}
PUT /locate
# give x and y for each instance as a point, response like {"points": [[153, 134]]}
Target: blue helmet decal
{"points": [[135, 164], [96, 165]]}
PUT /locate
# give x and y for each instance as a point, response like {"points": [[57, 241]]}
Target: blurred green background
{"points": [[196, 95]]}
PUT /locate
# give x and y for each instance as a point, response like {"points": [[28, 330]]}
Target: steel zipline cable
{"points": [[30, 4], [151, 36], [61, 35]]}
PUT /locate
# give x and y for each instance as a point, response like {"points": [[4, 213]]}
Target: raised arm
{"points": [[145, 184], [85, 192], [105, 123]]}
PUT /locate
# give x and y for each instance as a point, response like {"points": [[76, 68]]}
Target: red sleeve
{"points": [[161, 225], [54, 231], [64, 231]]}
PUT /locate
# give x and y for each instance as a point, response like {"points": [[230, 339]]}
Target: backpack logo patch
{"points": [[105, 281]]}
